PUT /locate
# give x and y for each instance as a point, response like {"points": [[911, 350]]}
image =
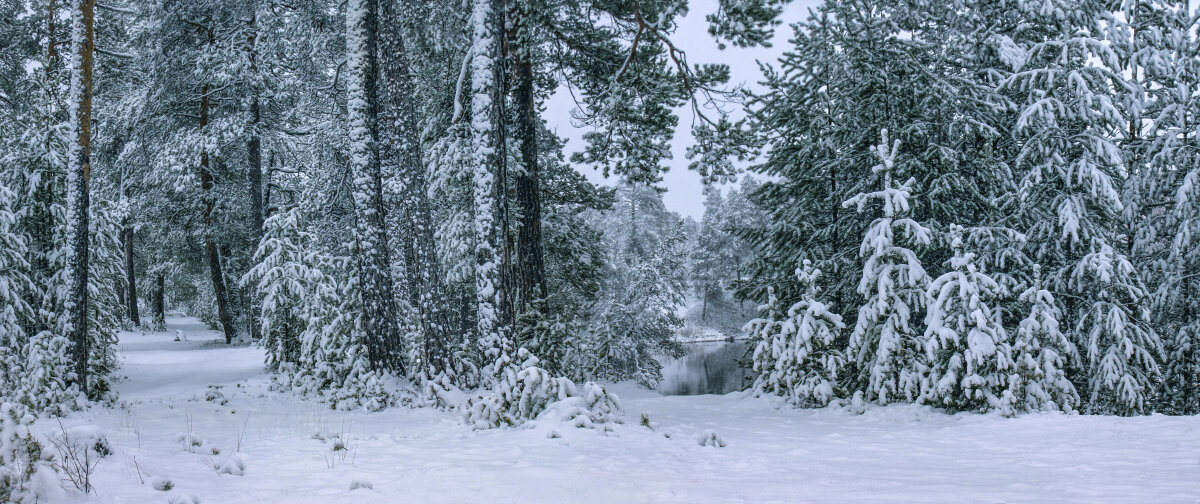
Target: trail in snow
{"points": [[292, 449], [157, 366]]}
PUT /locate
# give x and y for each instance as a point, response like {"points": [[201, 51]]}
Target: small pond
{"points": [[710, 367]]}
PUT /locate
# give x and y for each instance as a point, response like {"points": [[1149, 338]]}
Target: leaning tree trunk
{"points": [[215, 269], [383, 340], [531, 269], [78, 177], [426, 291]]}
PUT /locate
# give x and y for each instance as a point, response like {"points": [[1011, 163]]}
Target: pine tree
{"points": [[885, 346], [488, 154], [1042, 354], [78, 175], [1070, 196], [372, 255], [796, 357], [970, 358], [1158, 48]]}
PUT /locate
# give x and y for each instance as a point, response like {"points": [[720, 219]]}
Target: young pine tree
{"points": [[1041, 356], [886, 347], [968, 351], [795, 356]]}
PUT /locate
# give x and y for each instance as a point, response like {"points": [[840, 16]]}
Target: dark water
{"points": [[709, 367]]}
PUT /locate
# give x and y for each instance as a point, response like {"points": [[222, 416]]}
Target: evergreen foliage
{"points": [[885, 344], [795, 356]]}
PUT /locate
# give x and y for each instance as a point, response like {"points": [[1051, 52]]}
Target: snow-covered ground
{"points": [[250, 445]]}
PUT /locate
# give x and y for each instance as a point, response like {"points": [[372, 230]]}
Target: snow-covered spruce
{"points": [[968, 350], [284, 280], [884, 345], [1041, 356], [1122, 351], [333, 351], [795, 356], [13, 309], [526, 392]]}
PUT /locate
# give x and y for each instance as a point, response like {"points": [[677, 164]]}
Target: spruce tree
{"points": [[969, 355], [796, 356], [885, 345], [1070, 196]]}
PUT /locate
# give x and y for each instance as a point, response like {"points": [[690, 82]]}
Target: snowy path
{"points": [[894, 454]]}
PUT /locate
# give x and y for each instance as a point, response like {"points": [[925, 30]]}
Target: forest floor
{"points": [[250, 445]]}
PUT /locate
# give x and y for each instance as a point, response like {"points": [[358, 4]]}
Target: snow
{"points": [[292, 450]]}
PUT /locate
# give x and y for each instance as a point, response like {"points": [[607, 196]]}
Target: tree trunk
{"points": [[374, 269], [504, 286], [130, 278], [215, 270], [493, 313], [160, 301], [254, 173], [426, 291], [78, 178], [531, 270]]}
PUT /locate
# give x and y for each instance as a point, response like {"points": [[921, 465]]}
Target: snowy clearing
{"points": [[201, 422]]}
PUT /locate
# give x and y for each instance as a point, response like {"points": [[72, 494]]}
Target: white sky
{"points": [[684, 190]]}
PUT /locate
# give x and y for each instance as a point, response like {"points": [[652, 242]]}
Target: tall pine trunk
{"points": [[254, 170], [487, 139], [426, 291], [383, 340], [531, 270], [215, 269], [78, 178]]}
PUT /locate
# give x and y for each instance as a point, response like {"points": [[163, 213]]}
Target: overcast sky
{"points": [[684, 190]]}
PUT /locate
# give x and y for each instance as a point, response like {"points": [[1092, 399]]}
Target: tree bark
{"points": [[383, 343], [531, 270], [215, 269], [78, 178], [426, 291], [160, 301], [130, 277], [504, 284], [254, 171]]}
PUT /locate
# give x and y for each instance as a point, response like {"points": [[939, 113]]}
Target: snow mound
{"points": [[233, 465], [710, 438], [161, 484]]}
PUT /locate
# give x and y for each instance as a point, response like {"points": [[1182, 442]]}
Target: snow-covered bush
{"points": [[968, 351], [24, 466], [885, 346], [794, 357], [524, 391]]}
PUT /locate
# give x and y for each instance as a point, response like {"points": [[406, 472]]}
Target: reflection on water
{"points": [[709, 367]]}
